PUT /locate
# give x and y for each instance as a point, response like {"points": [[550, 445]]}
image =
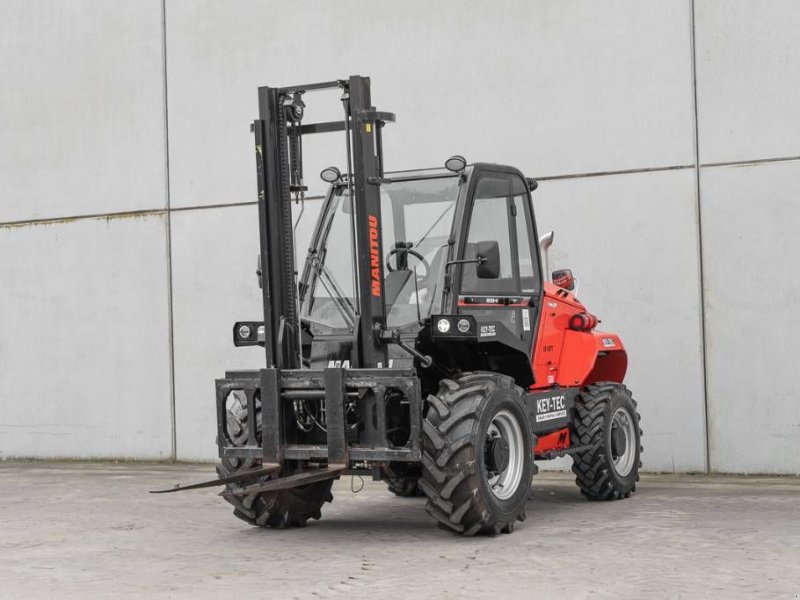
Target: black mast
{"points": [[280, 173], [281, 324]]}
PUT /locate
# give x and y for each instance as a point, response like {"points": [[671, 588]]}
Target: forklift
{"points": [[423, 343]]}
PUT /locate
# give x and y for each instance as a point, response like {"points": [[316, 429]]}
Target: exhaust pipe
{"points": [[545, 241]]}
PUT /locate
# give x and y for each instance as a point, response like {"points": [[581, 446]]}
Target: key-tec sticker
{"points": [[488, 331], [550, 408], [609, 342]]}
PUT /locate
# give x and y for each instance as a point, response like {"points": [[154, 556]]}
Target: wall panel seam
{"points": [[145, 212], [745, 163], [170, 298], [699, 218]]}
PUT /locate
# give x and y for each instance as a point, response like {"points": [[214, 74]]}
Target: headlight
{"points": [[453, 328], [443, 325], [248, 333]]}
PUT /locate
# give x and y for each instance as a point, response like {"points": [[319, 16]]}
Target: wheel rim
{"points": [[504, 482], [623, 436]]}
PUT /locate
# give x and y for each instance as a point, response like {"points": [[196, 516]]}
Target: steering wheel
{"points": [[413, 253]]}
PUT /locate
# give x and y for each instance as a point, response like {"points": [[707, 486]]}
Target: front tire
{"points": [[607, 423], [279, 509], [477, 454]]}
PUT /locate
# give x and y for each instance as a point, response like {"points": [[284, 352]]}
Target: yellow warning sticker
{"points": [[368, 127]]}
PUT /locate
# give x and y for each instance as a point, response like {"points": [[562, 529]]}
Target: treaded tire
{"points": [[280, 509], [403, 481], [454, 469], [594, 469]]}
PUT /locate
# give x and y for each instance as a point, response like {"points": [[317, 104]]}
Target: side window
{"points": [[524, 226], [490, 222]]}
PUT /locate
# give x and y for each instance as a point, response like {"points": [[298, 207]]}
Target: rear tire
{"points": [[279, 509], [477, 454], [403, 480], [606, 420]]}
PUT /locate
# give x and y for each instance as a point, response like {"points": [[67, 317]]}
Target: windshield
{"points": [[417, 216]]}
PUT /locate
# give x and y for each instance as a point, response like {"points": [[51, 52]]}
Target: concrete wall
{"points": [[113, 329], [85, 349]]}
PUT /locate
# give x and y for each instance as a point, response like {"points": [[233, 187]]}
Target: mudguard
{"points": [[590, 357], [573, 357]]}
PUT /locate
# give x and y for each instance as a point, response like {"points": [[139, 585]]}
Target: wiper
{"points": [[435, 223], [341, 302]]}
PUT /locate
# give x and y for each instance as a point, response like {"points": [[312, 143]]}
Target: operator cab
{"points": [[454, 242]]}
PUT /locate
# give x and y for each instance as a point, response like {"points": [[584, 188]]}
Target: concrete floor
{"points": [[91, 530]]}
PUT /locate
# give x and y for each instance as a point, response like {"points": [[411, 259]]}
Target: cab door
{"points": [[504, 301]]}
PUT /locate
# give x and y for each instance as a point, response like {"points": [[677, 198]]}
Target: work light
{"points": [[330, 175], [456, 163]]}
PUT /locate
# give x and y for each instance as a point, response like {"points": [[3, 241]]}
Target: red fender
{"points": [[574, 357], [590, 357]]}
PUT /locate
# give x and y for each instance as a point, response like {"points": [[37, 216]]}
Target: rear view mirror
{"points": [[563, 278], [488, 255]]}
